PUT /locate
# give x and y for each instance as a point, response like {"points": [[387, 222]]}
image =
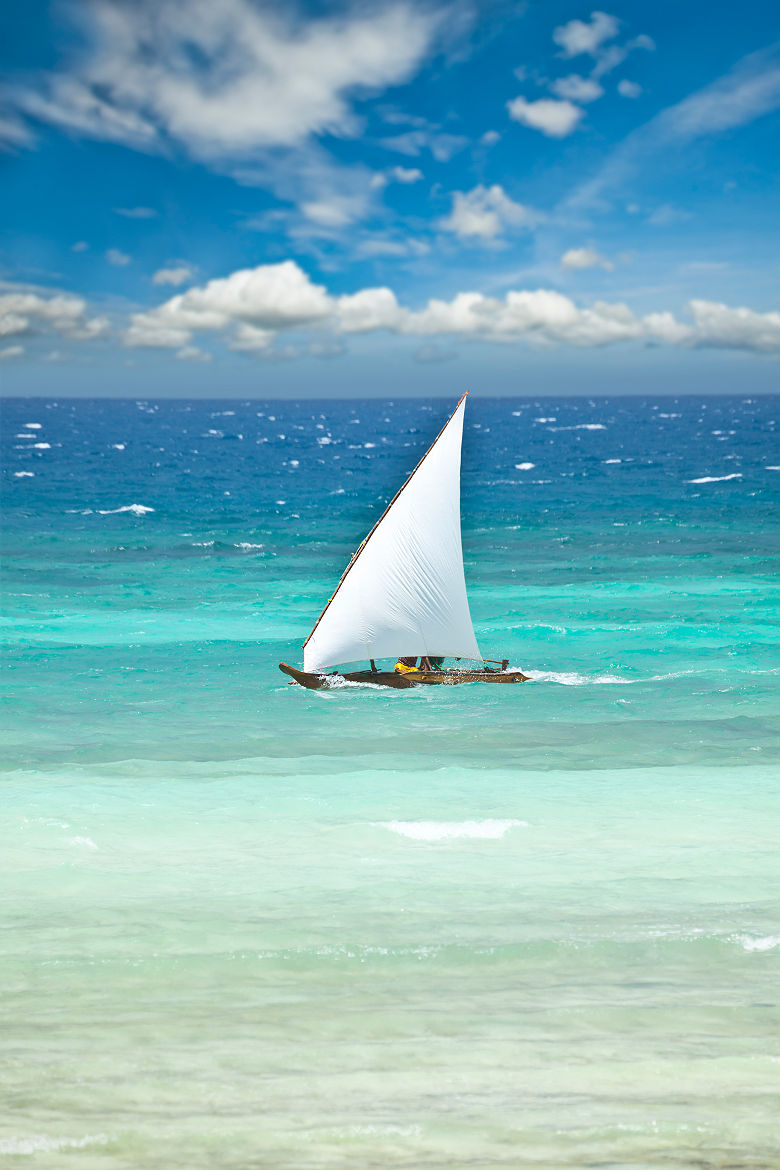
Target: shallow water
{"points": [[247, 925]]}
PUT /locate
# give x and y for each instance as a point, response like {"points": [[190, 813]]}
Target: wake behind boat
{"points": [[403, 593]]}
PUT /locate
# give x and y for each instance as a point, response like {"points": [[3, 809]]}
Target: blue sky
{"points": [[234, 198]]}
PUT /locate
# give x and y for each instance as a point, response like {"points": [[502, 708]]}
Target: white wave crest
{"points": [[136, 509], [717, 478], [33, 426], [524, 466], [572, 679], [42, 446], [245, 544], [489, 830], [751, 942], [86, 842], [24, 474]]}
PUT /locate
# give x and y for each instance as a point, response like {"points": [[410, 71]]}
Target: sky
{"points": [[244, 199]]}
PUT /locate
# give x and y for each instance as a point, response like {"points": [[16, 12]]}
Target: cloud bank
{"points": [[251, 308]]}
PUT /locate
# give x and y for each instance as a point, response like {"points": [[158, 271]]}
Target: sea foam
{"points": [[717, 478], [136, 509]]}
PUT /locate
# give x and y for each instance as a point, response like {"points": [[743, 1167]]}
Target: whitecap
{"points": [[246, 545], [716, 478], [136, 509], [772, 467], [294, 463], [33, 426], [118, 446], [87, 842], [24, 435], [751, 942], [612, 460], [42, 446], [490, 829], [524, 466], [24, 474], [584, 427], [546, 420], [203, 544], [367, 445]]}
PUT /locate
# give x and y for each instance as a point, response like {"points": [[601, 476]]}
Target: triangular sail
{"points": [[404, 592]]}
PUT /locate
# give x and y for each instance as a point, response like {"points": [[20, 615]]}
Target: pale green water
{"points": [[246, 925]]}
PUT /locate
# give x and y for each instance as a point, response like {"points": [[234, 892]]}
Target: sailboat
{"points": [[403, 593]]}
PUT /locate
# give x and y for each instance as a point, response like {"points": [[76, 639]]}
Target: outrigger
{"points": [[403, 593]]}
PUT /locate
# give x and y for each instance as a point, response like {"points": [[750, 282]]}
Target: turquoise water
{"points": [[247, 925]]}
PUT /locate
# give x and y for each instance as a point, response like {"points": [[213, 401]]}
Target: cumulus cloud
{"points": [[224, 79], [80, 246], [270, 297], [253, 307], [176, 276], [117, 258], [25, 312], [577, 89], [485, 212], [629, 89], [556, 119], [11, 351], [581, 36], [585, 258], [405, 174]]}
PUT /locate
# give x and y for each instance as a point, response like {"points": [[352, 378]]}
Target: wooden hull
{"points": [[401, 682]]}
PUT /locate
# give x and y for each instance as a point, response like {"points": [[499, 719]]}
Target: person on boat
{"points": [[404, 665]]}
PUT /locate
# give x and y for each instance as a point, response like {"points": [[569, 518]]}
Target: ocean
{"points": [[247, 925]]}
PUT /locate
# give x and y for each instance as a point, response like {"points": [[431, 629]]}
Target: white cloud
{"points": [[415, 142], [380, 246], [580, 36], [11, 351], [577, 89], [13, 133], [270, 297], [485, 212], [726, 328], [224, 79], [747, 92], [137, 212], [629, 89], [191, 353], [490, 138], [252, 307], [585, 258], [175, 276], [337, 211], [556, 119], [117, 258], [26, 312], [80, 246], [405, 174]]}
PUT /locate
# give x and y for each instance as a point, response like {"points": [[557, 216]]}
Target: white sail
{"points": [[404, 592]]}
